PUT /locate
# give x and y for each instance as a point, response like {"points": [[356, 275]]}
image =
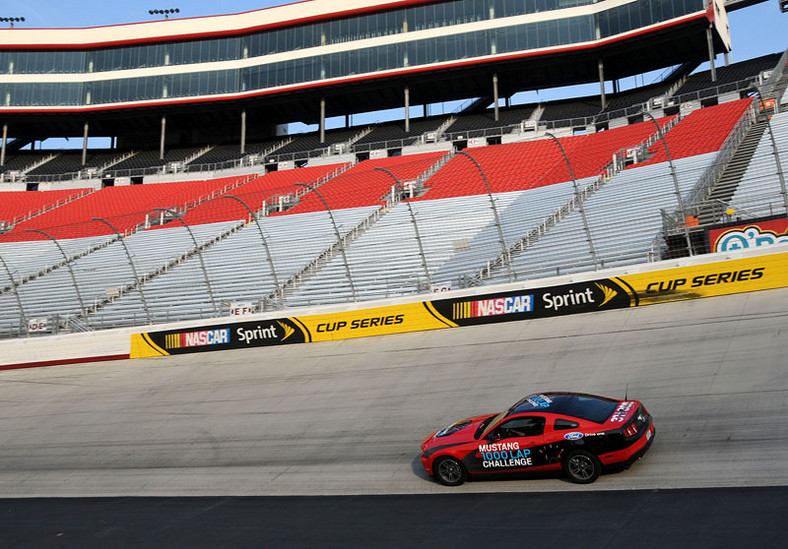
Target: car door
{"points": [[513, 445]]}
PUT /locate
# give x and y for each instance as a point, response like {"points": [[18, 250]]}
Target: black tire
{"points": [[582, 467], [449, 471]]}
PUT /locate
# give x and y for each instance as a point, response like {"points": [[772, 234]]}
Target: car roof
{"points": [[580, 405]]}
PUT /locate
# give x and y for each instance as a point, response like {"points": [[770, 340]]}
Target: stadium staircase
{"points": [[721, 193]]}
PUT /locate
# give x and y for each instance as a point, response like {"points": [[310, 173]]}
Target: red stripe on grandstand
{"points": [[376, 76]]}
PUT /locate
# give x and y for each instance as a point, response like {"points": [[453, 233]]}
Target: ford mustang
{"points": [[576, 434]]}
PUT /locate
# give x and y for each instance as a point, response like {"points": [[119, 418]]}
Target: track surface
{"points": [[346, 418]]}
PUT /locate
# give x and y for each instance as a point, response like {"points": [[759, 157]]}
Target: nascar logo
{"points": [[198, 339], [494, 307]]}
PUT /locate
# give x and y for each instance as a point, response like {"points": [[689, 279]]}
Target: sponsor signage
{"points": [[37, 325], [216, 338], [241, 309], [756, 234], [537, 303], [706, 280]]}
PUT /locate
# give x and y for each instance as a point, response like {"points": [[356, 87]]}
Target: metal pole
{"points": [[163, 134], [336, 232], [243, 132], [70, 270], [710, 41], [774, 150], [322, 120], [5, 142], [15, 288], [85, 144], [579, 199], [601, 67], [504, 251], [131, 264], [270, 258], [675, 184], [496, 97], [407, 109], [415, 226], [179, 217]]}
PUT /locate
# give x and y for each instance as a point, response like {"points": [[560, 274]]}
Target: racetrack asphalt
{"points": [[344, 419]]}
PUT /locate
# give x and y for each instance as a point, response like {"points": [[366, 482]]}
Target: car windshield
{"points": [[487, 425]]}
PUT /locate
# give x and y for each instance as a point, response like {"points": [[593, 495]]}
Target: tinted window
{"points": [[565, 424], [521, 427]]}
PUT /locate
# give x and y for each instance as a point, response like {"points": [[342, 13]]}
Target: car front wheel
{"points": [[582, 467], [449, 471]]}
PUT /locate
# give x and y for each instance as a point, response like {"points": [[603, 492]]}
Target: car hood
{"points": [[458, 432]]}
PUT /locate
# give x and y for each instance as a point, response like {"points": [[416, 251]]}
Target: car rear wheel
{"points": [[582, 467], [450, 472]]}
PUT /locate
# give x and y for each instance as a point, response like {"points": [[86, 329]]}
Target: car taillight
{"points": [[631, 431]]}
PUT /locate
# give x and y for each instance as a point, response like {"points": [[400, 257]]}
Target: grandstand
{"points": [[192, 219]]}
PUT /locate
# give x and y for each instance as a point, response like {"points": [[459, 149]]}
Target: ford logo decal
{"points": [[573, 436]]}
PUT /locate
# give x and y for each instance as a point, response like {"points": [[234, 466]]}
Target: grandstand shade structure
{"points": [[304, 61]]}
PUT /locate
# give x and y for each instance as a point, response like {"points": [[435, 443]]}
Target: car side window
{"points": [[565, 424], [521, 427]]}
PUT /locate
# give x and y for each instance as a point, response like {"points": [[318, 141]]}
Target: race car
{"points": [[576, 434]]}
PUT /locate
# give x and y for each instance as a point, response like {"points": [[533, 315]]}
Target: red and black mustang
{"points": [[574, 433]]}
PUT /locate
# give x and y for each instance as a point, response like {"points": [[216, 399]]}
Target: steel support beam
{"points": [[777, 161], [131, 264], [82, 308], [269, 257], [504, 251], [580, 201], [679, 198], [179, 217], [415, 226], [338, 236]]}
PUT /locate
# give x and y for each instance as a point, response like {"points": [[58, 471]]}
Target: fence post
{"points": [[579, 201], [131, 264], [504, 250], [336, 232], [70, 270], [179, 217], [774, 150], [256, 219], [675, 183], [15, 288], [415, 225]]}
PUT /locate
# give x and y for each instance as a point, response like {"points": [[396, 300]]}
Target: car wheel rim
{"points": [[581, 467], [449, 471]]}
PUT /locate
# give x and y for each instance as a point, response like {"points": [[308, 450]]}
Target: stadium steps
{"points": [[152, 275], [732, 175], [39, 163], [290, 287]]}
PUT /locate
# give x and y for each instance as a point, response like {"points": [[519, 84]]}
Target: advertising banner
{"points": [[712, 279], [754, 234]]}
